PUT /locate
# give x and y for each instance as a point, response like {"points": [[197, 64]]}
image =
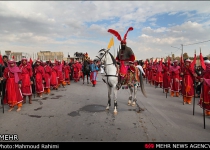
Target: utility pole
{"points": [[182, 51]]}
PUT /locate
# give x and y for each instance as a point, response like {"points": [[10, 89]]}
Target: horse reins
{"points": [[107, 75]]}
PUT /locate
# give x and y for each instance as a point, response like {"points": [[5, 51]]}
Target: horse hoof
{"points": [[115, 112], [129, 103], [107, 108], [134, 104]]}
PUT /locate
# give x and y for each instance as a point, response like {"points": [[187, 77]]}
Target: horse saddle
{"points": [[130, 75]]}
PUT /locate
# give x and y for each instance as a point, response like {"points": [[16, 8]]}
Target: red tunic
{"points": [[76, 70], [175, 73], [159, 75], [13, 94], [60, 73], [67, 70], [166, 78], [26, 79], [154, 72], [188, 89], [54, 77], [39, 77], [149, 73], [205, 89], [48, 72]]}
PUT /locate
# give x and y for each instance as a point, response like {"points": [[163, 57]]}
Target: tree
{"points": [[185, 55], [177, 58]]}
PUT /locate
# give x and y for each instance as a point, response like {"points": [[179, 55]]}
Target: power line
{"points": [[196, 43]]}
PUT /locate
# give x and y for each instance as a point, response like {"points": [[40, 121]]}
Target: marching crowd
{"points": [[181, 79], [20, 80]]}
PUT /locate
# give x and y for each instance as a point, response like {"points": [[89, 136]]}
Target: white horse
{"points": [[111, 79]]}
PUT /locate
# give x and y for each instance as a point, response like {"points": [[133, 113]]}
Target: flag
{"points": [[194, 62], [169, 62], [31, 62], [161, 62], [202, 61], [155, 60], [181, 61], [111, 43], [1, 60]]}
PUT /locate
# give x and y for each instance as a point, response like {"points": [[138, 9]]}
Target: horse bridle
{"points": [[105, 52]]}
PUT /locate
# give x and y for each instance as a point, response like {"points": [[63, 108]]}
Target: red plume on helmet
{"points": [[115, 33]]}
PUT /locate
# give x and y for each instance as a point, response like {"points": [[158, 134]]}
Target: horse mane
{"points": [[113, 59], [102, 50]]}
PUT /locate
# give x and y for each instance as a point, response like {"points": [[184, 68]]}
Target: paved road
{"points": [[77, 113]]}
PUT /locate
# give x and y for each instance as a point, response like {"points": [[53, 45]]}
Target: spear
{"points": [[204, 124], [194, 86]]}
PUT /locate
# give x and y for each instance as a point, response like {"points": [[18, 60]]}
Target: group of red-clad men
{"points": [[27, 78], [180, 78]]}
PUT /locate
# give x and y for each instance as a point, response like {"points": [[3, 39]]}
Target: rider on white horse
{"points": [[125, 56]]}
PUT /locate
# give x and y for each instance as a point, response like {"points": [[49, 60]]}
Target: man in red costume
{"points": [[175, 75], [54, 76], [76, 71], [39, 77], [204, 101], [188, 88], [13, 96], [149, 73], [67, 72], [166, 77], [27, 75], [154, 72], [159, 75], [80, 70], [124, 55], [60, 74], [48, 72]]}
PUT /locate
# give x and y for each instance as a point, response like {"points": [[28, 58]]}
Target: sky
{"points": [[81, 26]]}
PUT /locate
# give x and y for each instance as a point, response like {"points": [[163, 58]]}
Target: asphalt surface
{"points": [[77, 113]]}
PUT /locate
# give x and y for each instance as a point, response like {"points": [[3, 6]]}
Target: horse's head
{"points": [[101, 55]]}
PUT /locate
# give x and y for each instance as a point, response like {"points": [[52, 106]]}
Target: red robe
{"points": [[159, 75], [13, 95], [166, 78], [80, 70], [26, 79], [54, 77], [39, 77], [154, 71], [67, 71], [188, 89], [175, 75], [48, 72], [60, 73], [149, 77], [76, 67], [205, 89]]}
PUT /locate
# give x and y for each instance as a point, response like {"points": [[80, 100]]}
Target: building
{"points": [[48, 55], [17, 56]]}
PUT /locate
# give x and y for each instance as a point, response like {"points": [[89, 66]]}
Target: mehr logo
{"points": [[9, 137]]}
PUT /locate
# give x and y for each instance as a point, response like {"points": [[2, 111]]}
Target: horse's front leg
{"points": [[83, 78], [109, 97], [134, 97], [87, 78], [115, 99], [130, 96]]}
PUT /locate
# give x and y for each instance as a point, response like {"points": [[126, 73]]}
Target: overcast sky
{"points": [[81, 26]]}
